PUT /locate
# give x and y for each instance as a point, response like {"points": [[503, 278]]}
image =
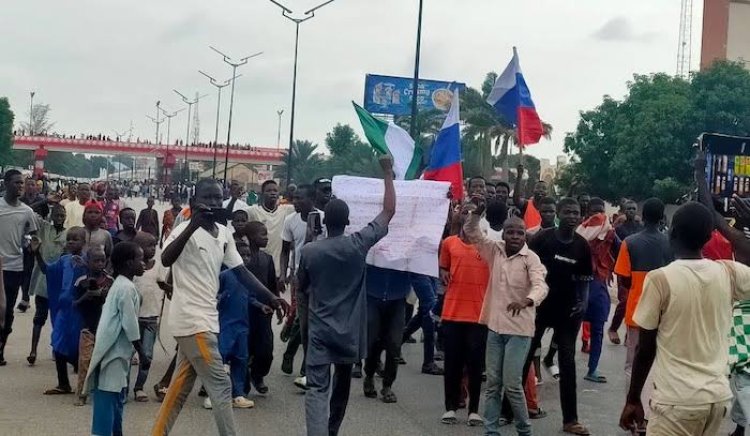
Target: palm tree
{"points": [[307, 163]]}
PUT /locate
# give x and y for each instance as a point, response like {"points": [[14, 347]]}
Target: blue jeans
{"points": [[506, 355], [425, 288], [108, 409], [740, 384], [148, 327], [237, 356], [597, 313]]}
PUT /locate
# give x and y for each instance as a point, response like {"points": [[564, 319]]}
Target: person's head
{"points": [[239, 220], [653, 211], [477, 186], [548, 212], [290, 191], [96, 259], [235, 188], [58, 215], [514, 235], [127, 260], [336, 215], [127, 219], [13, 180], [111, 193], [568, 213], [244, 251], [30, 188], [596, 205], [84, 192], [72, 192], [323, 192], [496, 213], [269, 193], [257, 234], [92, 215], [692, 225], [147, 242], [502, 191], [176, 202], [583, 202], [491, 191], [303, 199], [75, 240], [209, 193], [630, 208], [150, 202], [540, 190]]}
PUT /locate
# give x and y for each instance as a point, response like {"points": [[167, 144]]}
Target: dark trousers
{"points": [[424, 287], [295, 340], [566, 332], [149, 328], [385, 324], [41, 310], [324, 415], [260, 344], [12, 282], [61, 365], [619, 315], [164, 382], [108, 409], [465, 344], [28, 266]]}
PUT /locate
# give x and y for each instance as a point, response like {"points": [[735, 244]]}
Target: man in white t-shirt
{"points": [[196, 251], [74, 210], [272, 215], [16, 221], [235, 192], [684, 313]]}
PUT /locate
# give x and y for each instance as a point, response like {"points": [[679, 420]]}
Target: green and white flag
{"points": [[388, 138]]}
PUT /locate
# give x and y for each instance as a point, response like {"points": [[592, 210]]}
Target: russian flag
{"points": [[511, 98], [445, 159]]}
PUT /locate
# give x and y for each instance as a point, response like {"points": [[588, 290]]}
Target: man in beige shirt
{"points": [[685, 314], [516, 286]]}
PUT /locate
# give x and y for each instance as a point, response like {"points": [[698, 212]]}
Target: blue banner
{"points": [[393, 95]]}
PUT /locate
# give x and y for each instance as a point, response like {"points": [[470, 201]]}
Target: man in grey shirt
{"points": [[332, 284]]}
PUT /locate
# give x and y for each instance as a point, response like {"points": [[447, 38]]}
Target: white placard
{"points": [[414, 233]]}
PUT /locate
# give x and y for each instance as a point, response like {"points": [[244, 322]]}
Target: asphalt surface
{"points": [[25, 411]]}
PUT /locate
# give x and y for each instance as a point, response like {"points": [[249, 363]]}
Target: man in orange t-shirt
{"points": [[465, 276], [640, 253]]}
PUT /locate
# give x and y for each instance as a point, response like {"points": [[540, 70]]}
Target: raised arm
{"points": [[389, 195], [476, 236]]}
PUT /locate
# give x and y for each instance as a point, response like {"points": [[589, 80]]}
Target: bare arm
{"points": [[174, 249], [249, 281], [286, 249], [389, 195]]}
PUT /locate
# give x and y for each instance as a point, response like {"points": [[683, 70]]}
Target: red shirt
{"points": [[469, 276]]}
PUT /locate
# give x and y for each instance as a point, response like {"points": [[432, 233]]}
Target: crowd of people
{"points": [[510, 269]]}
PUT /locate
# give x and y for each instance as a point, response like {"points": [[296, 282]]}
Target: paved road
{"points": [[24, 410]]}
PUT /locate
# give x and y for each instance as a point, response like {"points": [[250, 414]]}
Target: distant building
{"points": [[726, 32]]}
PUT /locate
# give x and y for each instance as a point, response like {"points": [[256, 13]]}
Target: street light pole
{"points": [[218, 86], [234, 65], [285, 12], [415, 83], [169, 117], [278, 136], [31, 114], [190, 104]]}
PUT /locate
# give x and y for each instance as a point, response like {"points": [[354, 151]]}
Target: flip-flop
{"points": [[31, 359], [576, 428], [596, 378], [58, 391], [614, 337], [141, 397], [449, 417]]}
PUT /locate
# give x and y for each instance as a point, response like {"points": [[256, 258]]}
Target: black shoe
{"points": [[369, 388], [432, 369], [23, 306], [410, 340], [357, 371], [260, 386], [287, 365], [401, 360], [387, 395]]}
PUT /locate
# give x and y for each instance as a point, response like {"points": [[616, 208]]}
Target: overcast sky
{"points": [[101, 64]]}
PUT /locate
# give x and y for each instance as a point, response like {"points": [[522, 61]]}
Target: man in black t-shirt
{"points": [[567, 257]]}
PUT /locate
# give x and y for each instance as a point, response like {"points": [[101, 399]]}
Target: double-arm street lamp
{"points": [[219, 86], [190, 104]]}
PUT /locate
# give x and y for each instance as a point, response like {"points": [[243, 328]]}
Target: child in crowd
{"points": [[52, 237], [261, 341], [66, 322], [128, 232], [239, 221], [95, 235], [116, 339], [234, 329], [152, 300], [90, 293]]}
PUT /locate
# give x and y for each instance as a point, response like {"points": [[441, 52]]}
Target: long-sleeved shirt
{"points": [[512, 279]]}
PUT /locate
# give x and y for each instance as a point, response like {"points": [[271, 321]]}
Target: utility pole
{"points": [[234, 65], [415, 83], [190, 104], [169, 117], [31, 114], [278, 136], [219, 86]]}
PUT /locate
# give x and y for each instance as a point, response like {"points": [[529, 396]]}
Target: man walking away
{"points": [[332, 279]]}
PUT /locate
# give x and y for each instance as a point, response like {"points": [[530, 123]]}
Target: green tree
{"points": [[349, 154], [341, 139], [6, 133], [624, 148], [307, 164]]}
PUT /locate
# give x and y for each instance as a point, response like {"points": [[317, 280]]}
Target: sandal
{"points": [[160, 392], [140, 397], [596, 378], [57, 390], [31, 359], [614, 337], [576, 428], [474, 420], [554, 371], [449, 417], [537, 414]]}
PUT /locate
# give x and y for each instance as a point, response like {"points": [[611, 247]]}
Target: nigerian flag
{"points": [[389, 138]]}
